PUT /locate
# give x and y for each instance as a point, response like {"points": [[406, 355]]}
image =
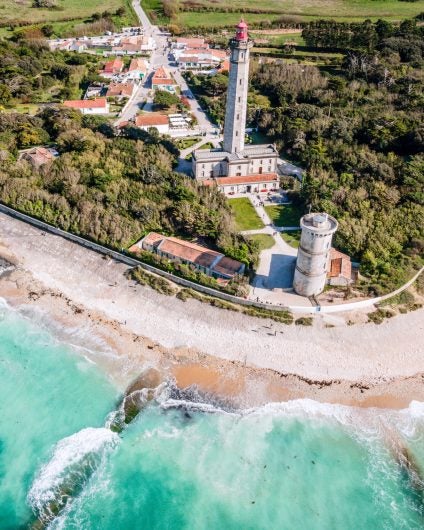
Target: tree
{"points": [[165, 100], [47, 30], [5, 94], [216, 85]]}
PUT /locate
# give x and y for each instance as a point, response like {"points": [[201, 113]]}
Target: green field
{"points": [[64, 18], [284, 215], [245, 215], [276, 39], [264, 241], [312, 9], [228, 13]]}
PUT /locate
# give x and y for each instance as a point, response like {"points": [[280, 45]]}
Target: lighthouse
{"points": [[235, 167], [235, 115]]}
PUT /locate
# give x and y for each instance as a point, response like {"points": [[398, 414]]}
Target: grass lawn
{"points": [[284, 215], [68, 14], [185, 143], [245, 215], [208, 145], [292, 238], [24, 108], [264, 240]]}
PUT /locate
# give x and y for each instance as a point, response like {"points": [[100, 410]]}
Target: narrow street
{"points": [[160, 57]]}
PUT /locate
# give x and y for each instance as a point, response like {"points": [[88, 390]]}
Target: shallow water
{"points": [[189, 465]]}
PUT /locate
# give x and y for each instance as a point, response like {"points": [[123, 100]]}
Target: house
{"points": [[120, 90], [89, 106], [137, 70], [162, 80], [199, 58], [38, 156], [203, 259], [95, 91], [182, 43], [260, 183], [339, 268], [112, 68], [153, 119], [60, 44], [78, 46], [133, 44]]}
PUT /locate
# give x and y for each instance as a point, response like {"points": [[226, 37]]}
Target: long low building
{"points": [[89, 106], [259, 183], [203, 259]]}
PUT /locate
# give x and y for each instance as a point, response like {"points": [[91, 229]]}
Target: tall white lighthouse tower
{"points": [[235, 115], [313, 255]]}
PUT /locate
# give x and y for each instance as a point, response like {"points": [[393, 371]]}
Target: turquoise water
{"points": [[187, 465]]}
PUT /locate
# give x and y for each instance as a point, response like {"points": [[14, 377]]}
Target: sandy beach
{"points": [[126, 328]]}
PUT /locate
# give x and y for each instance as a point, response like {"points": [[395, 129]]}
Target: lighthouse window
{"points": [[236, 133], [242, 55], [241, 81], [239, 99], [238, 116]]}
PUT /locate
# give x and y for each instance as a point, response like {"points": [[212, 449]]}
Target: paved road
{"points": [[287, 168], [143, 18]]}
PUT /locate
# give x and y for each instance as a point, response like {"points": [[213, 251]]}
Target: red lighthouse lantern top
{"points": [[241, 30]]}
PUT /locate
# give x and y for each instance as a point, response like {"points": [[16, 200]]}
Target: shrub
{"points": [[155, 282], [304, 321]]}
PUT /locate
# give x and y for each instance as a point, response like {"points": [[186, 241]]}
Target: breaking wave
{"points": [[74, 460]]}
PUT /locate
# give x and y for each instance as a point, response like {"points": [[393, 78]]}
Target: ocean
{"points": [[184, 463]]}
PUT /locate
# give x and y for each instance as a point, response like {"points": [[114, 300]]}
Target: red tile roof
{"points": [[98, 103], [161, 73], [220, 54], [153, 238], [225, 66], [120, 89], [113, 66], [187, 251], [38, 156], [340, 265], [137, 64], [248, 179], [227, 266], [151, 119], [195, 42], [163, 82]]}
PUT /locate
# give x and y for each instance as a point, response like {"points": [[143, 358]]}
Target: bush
{"points": [[304, 321], [155, 282], [378, 316]]}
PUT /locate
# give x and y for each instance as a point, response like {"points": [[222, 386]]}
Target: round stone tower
{"points": [[313, 255]]}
